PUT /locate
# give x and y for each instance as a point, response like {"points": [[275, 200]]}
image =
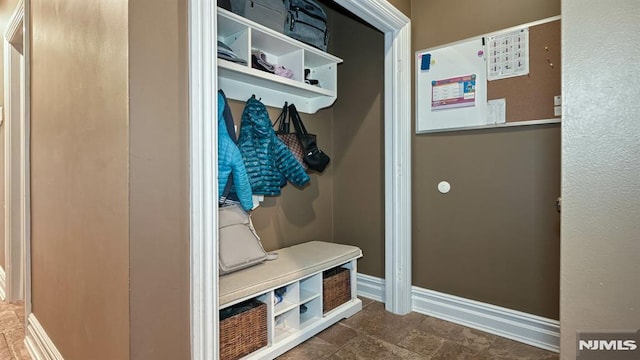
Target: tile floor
{"points": [[12, 330], [373, 333]]}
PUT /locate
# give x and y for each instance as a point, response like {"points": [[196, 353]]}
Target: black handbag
{"points": [[290, 138], [315, 158]]}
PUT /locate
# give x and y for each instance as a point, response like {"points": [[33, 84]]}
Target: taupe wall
{"points": [[600, 172], [495, 236], [358, 136], [159, 180], [110, 223], [79, 176], [402, 5], [6, 10]]}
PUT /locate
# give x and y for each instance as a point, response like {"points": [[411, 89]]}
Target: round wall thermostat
{"points": [[444, 187]]}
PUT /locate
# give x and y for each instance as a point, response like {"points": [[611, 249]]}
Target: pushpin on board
{"points": [[426, 62]]}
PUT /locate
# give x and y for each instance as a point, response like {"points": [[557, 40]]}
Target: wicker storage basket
{"points": [[336, 288], [244, 332]]}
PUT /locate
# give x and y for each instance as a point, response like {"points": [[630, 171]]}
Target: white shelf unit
{"points": [[287, 325], [241, 81]]}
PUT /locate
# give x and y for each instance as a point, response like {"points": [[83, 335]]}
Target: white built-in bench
{"points": [[299, 268]]}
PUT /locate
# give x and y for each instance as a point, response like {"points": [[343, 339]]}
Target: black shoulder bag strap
{"points": [[307, 142], [283, 120]]}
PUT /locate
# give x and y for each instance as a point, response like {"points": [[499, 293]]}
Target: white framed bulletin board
{"points": [[451, 87], [510, 77]]}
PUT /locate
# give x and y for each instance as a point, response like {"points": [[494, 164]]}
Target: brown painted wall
{"points": [[358, 135], [79, 170], [402, 5], [495, 236], [437, 22], [6, 10], [159, 180]]}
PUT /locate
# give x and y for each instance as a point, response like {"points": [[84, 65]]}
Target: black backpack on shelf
{"points": [[306, 21], [270, 13]]}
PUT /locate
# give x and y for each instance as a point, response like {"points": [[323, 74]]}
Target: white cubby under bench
{"points": [[300, 269]]}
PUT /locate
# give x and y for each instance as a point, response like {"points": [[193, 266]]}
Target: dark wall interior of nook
{"points": [[344, 204]]}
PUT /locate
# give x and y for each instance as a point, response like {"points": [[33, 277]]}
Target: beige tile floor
{"points": [[12, 330], [373, 333]]}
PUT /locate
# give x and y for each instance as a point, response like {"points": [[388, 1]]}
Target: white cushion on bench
{"points": [[293, 263]]}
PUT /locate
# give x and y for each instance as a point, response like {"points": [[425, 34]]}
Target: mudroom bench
{"points": [[270, 308]]}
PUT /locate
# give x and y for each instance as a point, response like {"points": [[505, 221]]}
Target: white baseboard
{"points": [[370, 287], [3, 285], [38, 343], [516, 325]]}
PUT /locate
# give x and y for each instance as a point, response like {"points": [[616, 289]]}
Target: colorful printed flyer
{"points": [[453, 92]]}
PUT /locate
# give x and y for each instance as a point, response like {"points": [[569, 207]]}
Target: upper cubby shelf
{"points": [[241, 81]]}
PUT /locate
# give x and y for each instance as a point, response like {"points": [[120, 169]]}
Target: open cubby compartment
{"points": [[310, 288], [236, 36], [310, 299], [312, 313], [290, 299], [323, 69], [279, 52], [286, 324], [240, 82]]}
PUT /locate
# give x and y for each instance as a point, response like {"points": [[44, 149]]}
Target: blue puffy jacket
{"points": [[230, 160], [267, 159]]}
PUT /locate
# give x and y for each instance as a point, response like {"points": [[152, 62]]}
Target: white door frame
{"points": [[203, 155], [17, 241]]}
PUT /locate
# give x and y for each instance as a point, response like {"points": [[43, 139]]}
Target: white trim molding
{"points": [[398, 172], [397, 134], [25, 157], [38, 343], [515, 325], [16, 156], [15, 23], [202, 105], [203, 154], [3, 284], [370, 287]]}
